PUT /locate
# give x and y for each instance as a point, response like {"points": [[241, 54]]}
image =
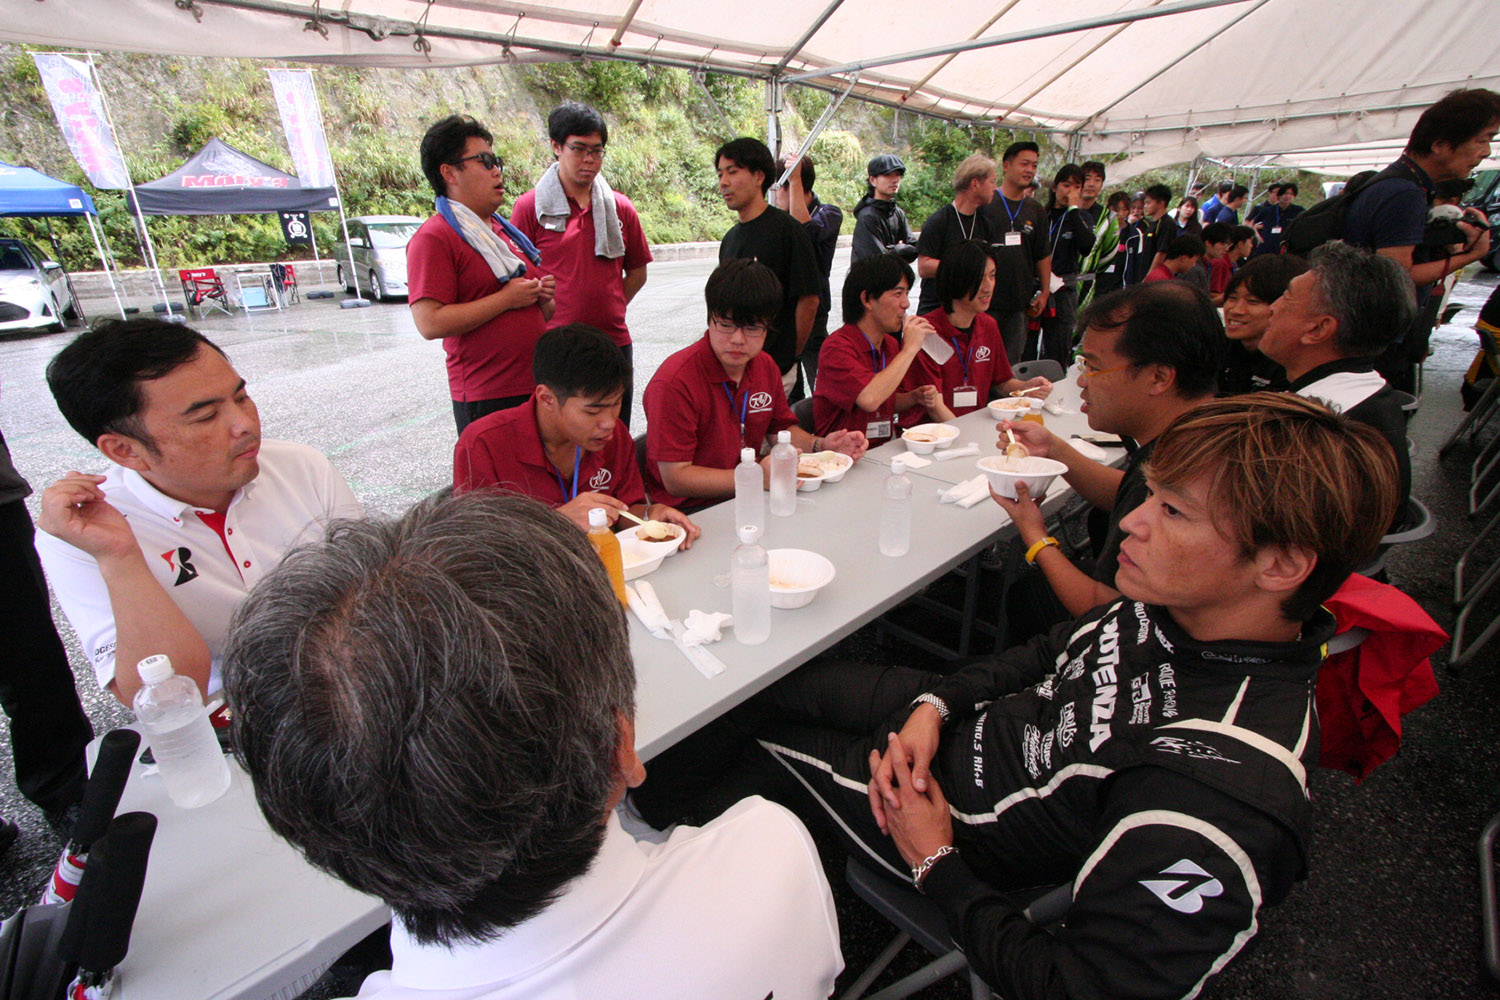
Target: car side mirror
{"points": [[51, 265]]}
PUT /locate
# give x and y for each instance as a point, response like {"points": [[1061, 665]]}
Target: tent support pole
{"points": [[816, 130], [773, 115], [105, 261]]}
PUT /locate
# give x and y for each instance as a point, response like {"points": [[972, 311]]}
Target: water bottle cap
{"points": [[749, 534], [155, 669], [783, 437], [898, 466], [747, 454], [598, 518]]}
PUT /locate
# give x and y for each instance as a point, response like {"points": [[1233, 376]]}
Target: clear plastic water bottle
{"points": [[749, 492], [895, 514], [783, 476], [182, 739], [750, 583]]}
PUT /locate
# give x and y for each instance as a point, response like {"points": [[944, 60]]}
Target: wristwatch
{"points": [[1037, 547], [935, 702]]}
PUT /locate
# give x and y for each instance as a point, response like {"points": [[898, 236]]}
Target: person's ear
{"points": [[631, 770], [1161, 380], [124, 451], [1322, 331], [546, 398], [1281, 569]]}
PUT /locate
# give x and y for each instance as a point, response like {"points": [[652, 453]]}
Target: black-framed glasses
{"points": [[587, 152], [487, 160], [727, 328]]}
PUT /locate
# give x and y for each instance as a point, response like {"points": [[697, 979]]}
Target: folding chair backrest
{"points": [[197, 274]]}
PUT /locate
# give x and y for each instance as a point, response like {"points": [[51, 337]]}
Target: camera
{"points": [[1443, 226]]}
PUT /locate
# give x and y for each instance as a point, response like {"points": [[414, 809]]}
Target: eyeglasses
{"points": [[488, 161], [1089, 371], [752, 331], [587, 152]]}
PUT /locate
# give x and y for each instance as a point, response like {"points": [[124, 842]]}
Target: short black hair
{"points": [[1187, 245], [1019, 147], [1237, 192], [97, 378], [573, 118], [445, 142], [749, 154], [807, 172], [1169, 323], [1243, 233], [579, 360], [873, 276], [1218, 232], [961, 272], [743, 291], [1094, 167], [1267, 276], [1119, 197], [1455, 119], [1224, 188], [1159, 192], [1289, 186], [1453, 187], [1068, 173]]}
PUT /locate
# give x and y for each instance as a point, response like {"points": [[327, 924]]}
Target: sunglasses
{"points": [[488, 161]]}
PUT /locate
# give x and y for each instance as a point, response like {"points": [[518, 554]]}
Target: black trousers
{"points": [[465, 414], [48, 729], [629, 351]]}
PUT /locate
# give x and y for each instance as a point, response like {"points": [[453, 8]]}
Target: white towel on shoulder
{"points": [[552, 212]]}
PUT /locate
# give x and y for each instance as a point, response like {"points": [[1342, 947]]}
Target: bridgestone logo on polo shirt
{"points": [[760, 401], [983, 354], [177, 560], [600, 479]]}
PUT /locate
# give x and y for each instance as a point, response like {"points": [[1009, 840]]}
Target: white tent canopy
{"points": [[1161, 80]]}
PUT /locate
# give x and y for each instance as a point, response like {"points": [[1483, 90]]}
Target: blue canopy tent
{"points": [[29, 193]]}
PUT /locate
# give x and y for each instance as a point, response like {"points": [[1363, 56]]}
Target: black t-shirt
{"points": [[1149, 238], [1015, 262], [943, 230], [778, 241], [1249, 371]]}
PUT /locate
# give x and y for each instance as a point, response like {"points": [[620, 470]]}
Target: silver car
{"points": [[378, 243], [34, 289]]}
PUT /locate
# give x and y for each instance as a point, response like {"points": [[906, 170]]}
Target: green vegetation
{"points": [[664, 129]]}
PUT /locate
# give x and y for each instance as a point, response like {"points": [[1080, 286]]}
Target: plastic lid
{"points": [[747, 454], [783, 437], [598, 518], [155, 669], [749, 534], [898, 466]]}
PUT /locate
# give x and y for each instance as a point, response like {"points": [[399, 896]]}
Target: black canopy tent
{"points": [[222, 180]]}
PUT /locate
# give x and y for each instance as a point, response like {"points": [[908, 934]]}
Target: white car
{"points": [[379, 250], [34, 289]]}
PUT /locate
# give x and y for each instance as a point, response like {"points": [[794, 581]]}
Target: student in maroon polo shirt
{"points": [[596, 249], [722, 394], [978, 368], [566, 446], [488, 326], [862, 366]]}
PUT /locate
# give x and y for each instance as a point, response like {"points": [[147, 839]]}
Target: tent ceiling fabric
{"points": [[1240, 77]]}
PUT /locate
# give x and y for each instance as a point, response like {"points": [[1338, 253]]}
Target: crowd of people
{"points": [[513, 831]]}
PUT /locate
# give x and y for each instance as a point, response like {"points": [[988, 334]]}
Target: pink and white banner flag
{"points": [[80, 114], [298, 103]]}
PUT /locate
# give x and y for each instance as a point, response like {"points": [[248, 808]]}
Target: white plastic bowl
{"points": [[1007, 408], [1036, 473], [946, 434], [843, 463], [632, 536], [638, 563], [796, 576], [917, 445]]}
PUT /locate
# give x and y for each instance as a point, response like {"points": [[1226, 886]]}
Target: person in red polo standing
{"points": [[589, 235], [474, 280], [711, 399], [862, 366], [977, 366], [566, 445]]}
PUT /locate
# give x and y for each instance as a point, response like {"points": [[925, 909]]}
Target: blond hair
{"points": [[974, 166]]}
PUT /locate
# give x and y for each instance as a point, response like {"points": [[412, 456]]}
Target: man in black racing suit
{"points": [[1155, 751]]}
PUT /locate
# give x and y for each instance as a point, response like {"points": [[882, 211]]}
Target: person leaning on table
{"points": [[489, 826], [713, 398]]}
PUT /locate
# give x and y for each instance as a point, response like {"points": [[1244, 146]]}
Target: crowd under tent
{"points": [[28, 193]]}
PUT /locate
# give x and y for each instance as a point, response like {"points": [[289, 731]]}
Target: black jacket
{"points": [[880, 227]]}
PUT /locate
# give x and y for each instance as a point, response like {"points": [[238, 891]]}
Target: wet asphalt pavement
{"points": [[1390, 908]]}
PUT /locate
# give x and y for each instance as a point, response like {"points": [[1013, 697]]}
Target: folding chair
{"points": [[285, 278], [1420, 524], [802, 409], [202, 290], [1045, 367], [640, 461], [1487, 901], [1468, 597], [1484, 408], [918, 919]]}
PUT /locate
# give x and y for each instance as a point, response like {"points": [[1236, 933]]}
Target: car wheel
{"points": [[72, 314], [343, 282], [377, 287]]}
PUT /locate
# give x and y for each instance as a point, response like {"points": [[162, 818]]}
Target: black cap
{"points": [[886, 163]]}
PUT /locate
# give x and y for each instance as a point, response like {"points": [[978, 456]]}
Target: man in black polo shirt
{"points": [[822, 223], [1146, 243], [1023, 256], [957, 222], [767, 234]]}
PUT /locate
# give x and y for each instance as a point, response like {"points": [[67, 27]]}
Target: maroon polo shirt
{"points": [[590, 288], [693, 413], [979, 360], [846, 364], [504, 450], [494, 359]]}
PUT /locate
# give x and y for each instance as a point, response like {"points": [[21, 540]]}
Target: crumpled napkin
{"points": [[705, 626], [914, 461], [953, 494]]}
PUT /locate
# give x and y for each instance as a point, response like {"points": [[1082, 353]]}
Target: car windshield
{"points": [[13, 258], [392, 235]]}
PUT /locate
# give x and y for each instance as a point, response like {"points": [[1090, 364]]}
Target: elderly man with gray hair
{"points": [[439, 710], [1329, 327]]}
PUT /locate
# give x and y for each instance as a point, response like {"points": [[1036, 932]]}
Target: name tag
{"points": [[965, 395], [1275, 230], [1012, 239], [878, 430]]}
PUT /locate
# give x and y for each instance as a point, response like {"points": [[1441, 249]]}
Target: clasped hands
{"points": [[905, 799]]}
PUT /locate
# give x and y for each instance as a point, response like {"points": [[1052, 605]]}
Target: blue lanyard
{"points": [[961, 359], [744, 408], [570, 497], [1006, 202], [877, 357]]}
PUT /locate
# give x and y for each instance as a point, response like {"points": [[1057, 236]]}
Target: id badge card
{"points": [[1012, 239], [878, 430], [965, 395], [1275, 230]]}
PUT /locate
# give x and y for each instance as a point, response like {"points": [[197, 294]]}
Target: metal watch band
{"points": [[935, 702]]}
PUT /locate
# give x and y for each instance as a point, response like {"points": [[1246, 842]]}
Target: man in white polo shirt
{"points": [[155, 555]]}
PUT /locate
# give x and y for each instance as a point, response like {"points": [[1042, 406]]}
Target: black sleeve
{"points": [[901, 229], [869, 240], [1083, 233], [934, 233], [1169, 893], [1041, 238], [802, 263], [980, 683]]}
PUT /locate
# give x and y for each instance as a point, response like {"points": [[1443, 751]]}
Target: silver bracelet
{"points": [[935, 702], [919, 873]]}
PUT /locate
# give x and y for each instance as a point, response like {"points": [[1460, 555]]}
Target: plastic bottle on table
{"points": [[749, 492], [750, 585], [895, 513], [608, 546], [170, 709], [783, 476]]}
